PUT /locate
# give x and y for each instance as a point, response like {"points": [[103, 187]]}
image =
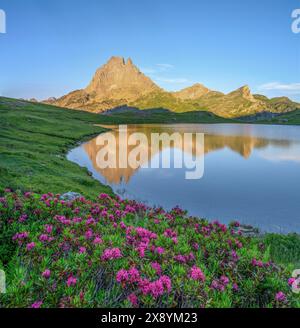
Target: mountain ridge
{"points": [[121, 83]]}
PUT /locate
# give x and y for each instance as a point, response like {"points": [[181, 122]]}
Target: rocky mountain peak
{"points": [[120, 79]]}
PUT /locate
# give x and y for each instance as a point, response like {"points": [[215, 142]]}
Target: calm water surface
{"points": [[252, 174]]}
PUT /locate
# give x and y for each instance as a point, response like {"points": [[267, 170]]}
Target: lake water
{"points": [[251, 174]]}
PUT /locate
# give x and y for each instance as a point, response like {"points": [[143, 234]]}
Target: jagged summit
{"points": [[120, 79]]}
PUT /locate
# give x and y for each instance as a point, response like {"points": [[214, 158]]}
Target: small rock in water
{"points": [[248, 230], [70, 196]]}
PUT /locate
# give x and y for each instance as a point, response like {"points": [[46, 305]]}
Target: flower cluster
{"points": [[117, 253]]}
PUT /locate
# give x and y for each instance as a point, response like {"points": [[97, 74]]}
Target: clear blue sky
{"points": [[53, 47]]}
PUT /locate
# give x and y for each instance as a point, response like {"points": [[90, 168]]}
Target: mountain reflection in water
{"points": [[242, 145], [251, 174]]}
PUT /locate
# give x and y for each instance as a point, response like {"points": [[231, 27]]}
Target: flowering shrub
{"points": [[119, 253]]}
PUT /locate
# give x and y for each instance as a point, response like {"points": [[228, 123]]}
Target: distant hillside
{"points": [[120, 83]]}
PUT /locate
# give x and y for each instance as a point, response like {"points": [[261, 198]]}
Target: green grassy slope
{"points": [[292, 118], [233, 105], [161, 116], [33, 141]]}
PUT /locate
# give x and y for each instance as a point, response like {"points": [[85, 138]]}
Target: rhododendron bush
{"points": [[119, 253]]}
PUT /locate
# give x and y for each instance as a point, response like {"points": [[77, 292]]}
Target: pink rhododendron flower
{"points": [[21, 236], [134, 275], [216, 285], [260, 264], [197, 274], [30, 246], [71, 281], [256, 263], [170, 233], [90, 221], [132, 298], [160, 250], [175, 240], [166, 281], [37, 305], [82, 250], [239, 244], [27, 194], [234, 255], [43, 237], [97, 241], [103, 196], [224, 280], [156, 266], [46, 274], [89, 234], [111, 253], [280, 297], [180, 258], [104, 213], [141, 250], [156, 288], [23, 218], [48, 228], [122, 276], [291, 281]]}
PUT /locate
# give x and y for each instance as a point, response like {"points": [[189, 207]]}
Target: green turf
{"points": [[33, 142], [284, 249]]}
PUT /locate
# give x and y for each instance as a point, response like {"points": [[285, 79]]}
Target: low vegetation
{"points": [[119, 253], [33, 142]]}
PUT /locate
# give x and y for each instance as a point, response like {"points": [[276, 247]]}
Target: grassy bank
{"points": [[33, 142]]}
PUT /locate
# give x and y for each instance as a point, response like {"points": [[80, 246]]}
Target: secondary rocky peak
{"points": [[194, 92], [244, 92], [129, 62]]}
